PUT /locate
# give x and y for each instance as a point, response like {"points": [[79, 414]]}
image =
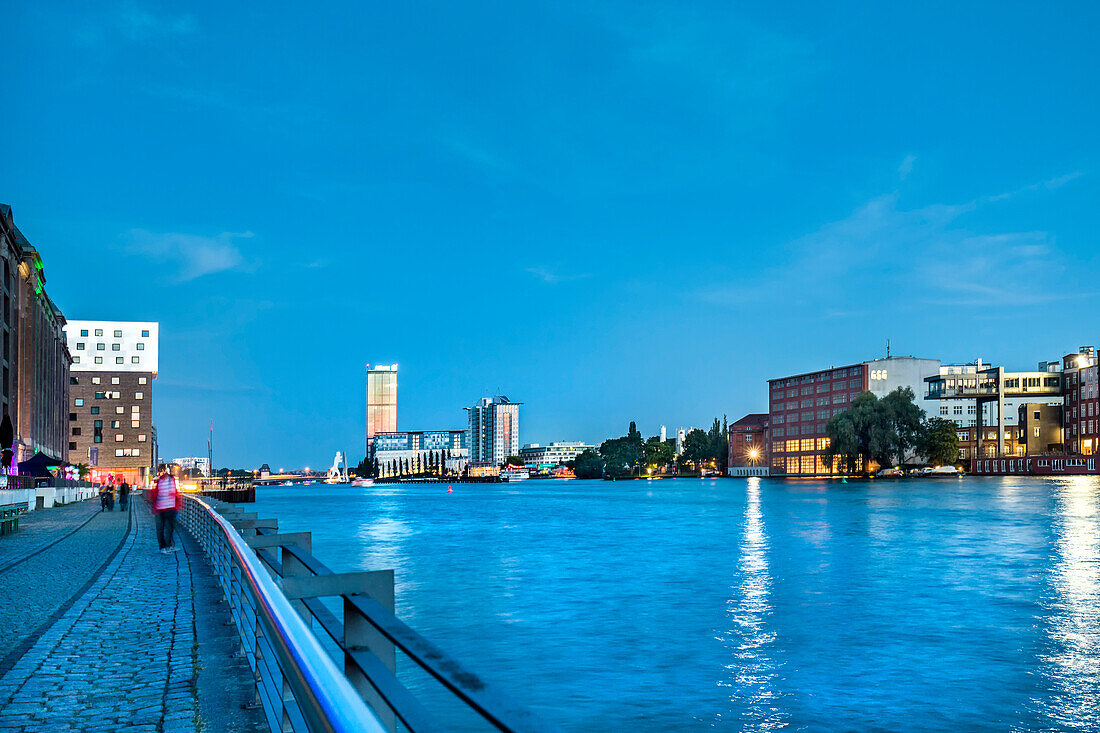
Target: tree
{"points": [[696, 449], [939, 442], [873, 431], [657, 454], [514, 461], [588, 464], [903, 419], [718, 444]]}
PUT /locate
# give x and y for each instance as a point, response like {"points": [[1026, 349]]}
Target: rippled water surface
{"points": [[744, 603]]}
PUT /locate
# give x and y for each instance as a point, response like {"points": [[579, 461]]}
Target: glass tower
{"points": [[381, 400]]}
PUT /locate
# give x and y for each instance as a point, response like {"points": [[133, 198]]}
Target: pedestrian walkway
{"points": [[124, 656], [39, 529]]}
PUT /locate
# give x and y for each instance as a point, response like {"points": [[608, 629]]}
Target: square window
{"points": [[141, 347], [96, 380], [118, 437], [80, 346], [115, 424], [79, 402], [74, 380], [98, 438], [95, 410], [99, 332], [76, 431], [145, 334], [141, 438], [98, 424], [72, 417], [118, 452], [99, 360], [139, 395], [101, 347], [76, 360], [72, 446], [83, 332], [100, 395], [116, 395], [142, 380], [114, 380], [135, 359], [135, 424], [135, 408], [118, 334], [119, 410], [137, 451], [119, 360], [116, 347]]}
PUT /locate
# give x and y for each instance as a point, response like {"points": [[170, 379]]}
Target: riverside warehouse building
{"points": [[800, 406], [111, 398]]}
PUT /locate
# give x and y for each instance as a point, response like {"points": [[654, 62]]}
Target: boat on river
{"points": [[512, 473]]}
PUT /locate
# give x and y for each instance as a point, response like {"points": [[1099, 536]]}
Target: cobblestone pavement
{"points": [[39, 528], [34, 590], [124, 656]]}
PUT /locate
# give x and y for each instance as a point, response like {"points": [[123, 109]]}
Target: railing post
{"points": [[293, 568], [360, 634]]}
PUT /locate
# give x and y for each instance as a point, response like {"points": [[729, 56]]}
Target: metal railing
{"points": [[367, 633], [299, 686]]}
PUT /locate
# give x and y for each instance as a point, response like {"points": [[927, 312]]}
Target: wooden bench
{"points": [[9, 517]]}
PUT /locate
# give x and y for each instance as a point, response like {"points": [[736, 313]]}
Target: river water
{"points": [[750, 604]]}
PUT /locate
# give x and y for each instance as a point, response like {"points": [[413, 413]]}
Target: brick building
{"points": [[1081, 407], [800, 406], [35, 361], [111, 398], [748, 446]]}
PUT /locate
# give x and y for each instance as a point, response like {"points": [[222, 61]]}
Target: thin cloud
{"points": [[191, 255], [906, 166], [553, 277], [883, 252], [140, 24]]}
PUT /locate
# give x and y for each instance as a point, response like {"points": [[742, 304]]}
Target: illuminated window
{"points": [[139, 395], [806, 444], [99, 360], [807, 464], [79, 402], [118, 437]]}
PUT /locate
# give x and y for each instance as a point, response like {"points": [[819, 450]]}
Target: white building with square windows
{"points": [[111, 394]]}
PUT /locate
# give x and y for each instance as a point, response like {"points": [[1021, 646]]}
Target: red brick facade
{"points": [[799, 408]]}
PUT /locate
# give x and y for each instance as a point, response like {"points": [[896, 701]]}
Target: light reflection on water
{"points": [[752, 667], [1073, 665]]}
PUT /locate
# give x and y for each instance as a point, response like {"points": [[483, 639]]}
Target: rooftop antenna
{"points": [[887, 348]]}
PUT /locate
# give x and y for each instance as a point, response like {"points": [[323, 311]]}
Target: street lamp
{"points": [[754, 454]]}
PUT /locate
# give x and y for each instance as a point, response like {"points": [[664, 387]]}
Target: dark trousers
{"points": [[166, 525]]}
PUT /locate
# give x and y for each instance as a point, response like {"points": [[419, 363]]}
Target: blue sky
{"points": [[609, 211]]}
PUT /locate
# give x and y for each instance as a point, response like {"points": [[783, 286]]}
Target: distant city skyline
{"points": [[613, 211]]}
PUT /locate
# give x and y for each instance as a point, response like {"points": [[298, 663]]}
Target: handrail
{"points": [[496, 708], [325, 698]]}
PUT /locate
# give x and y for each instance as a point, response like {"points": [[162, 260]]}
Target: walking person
{"points": [[165, 500], [104, 497], [123, 496]]}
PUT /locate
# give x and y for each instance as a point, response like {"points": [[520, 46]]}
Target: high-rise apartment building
{"points": [[801, 405], [111, 405], [381, 401], [493, 434], [34, 388]]}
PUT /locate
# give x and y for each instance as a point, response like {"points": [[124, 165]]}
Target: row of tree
{"points": [[633, 455], [430, 463], [889, 432]]}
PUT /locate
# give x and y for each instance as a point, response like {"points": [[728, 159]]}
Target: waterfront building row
{"points": [[1052, 410]]}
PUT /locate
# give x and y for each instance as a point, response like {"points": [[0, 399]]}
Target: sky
{"points": [[608, 211]]}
